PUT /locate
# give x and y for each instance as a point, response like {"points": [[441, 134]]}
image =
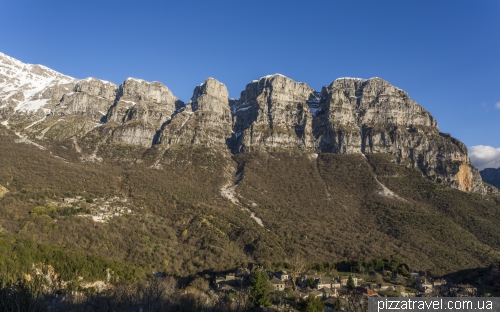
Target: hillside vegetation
{"points": [[163, 211]]}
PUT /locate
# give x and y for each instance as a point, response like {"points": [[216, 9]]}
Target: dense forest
{"points": [[127, 217]]}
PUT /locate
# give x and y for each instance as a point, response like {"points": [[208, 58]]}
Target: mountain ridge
{"points": [[351, 115]]}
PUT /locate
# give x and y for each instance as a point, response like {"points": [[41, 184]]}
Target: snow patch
{"points": [[33, 105], [135, 79], [277, 74], [241, 109], [130, 102], [93, 78], [350, 78], [189, 117], [28, 79]]}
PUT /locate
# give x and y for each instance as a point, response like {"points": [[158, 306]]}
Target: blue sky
{"points": [[445, 54]]}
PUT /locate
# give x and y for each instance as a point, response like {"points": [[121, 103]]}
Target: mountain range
{"points": [[357, 170], [348, 116]]}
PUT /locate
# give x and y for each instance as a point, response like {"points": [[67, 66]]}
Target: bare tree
{"points": [[297, 266], [356, 303]]}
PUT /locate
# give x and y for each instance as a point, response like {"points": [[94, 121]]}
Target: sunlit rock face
{"points": [[273, 113], [205, 121], [349, 116], [372, 116], [92, 97], [141, 108]]}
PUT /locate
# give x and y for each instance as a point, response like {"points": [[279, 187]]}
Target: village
{"points": [[337, 289]]}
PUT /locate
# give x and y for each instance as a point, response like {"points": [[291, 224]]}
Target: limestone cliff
{"points": [[349, 116], [141, 108], [91, 97], [372, 116], [273, 113], [205, 121]]}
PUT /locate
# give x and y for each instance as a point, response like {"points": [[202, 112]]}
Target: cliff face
{"points": [[140, 109], [349, 116], [205, 121], [273, 113], [91, 97], [372, 116]]}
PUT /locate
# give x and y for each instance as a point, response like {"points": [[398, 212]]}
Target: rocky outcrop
{"points": [[372, 116], [349, 116], [141, 108], [206, 120], [91, 97], [273, 113], [150, 102], [491, 176]]}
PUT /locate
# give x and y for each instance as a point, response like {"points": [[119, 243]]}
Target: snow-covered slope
{"points": [[29, 87]]}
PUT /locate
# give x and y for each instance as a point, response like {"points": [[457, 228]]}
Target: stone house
{"points": [[219, 278], [439, 282], [299, 294], [415, 275], [278, 285], [323, 282], [364, 290], [282, 275], [424, 286], [226, 289]]}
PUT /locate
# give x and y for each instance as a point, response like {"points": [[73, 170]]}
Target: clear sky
{"points": [[445, 54]]}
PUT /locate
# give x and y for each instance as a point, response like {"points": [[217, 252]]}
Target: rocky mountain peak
{"points": [[211, 95], [206, 120], [137, 99], [97, 87], [29, 89], [141, 109], [91, 97], [355, 102], [134, 89], [273, 112]]}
